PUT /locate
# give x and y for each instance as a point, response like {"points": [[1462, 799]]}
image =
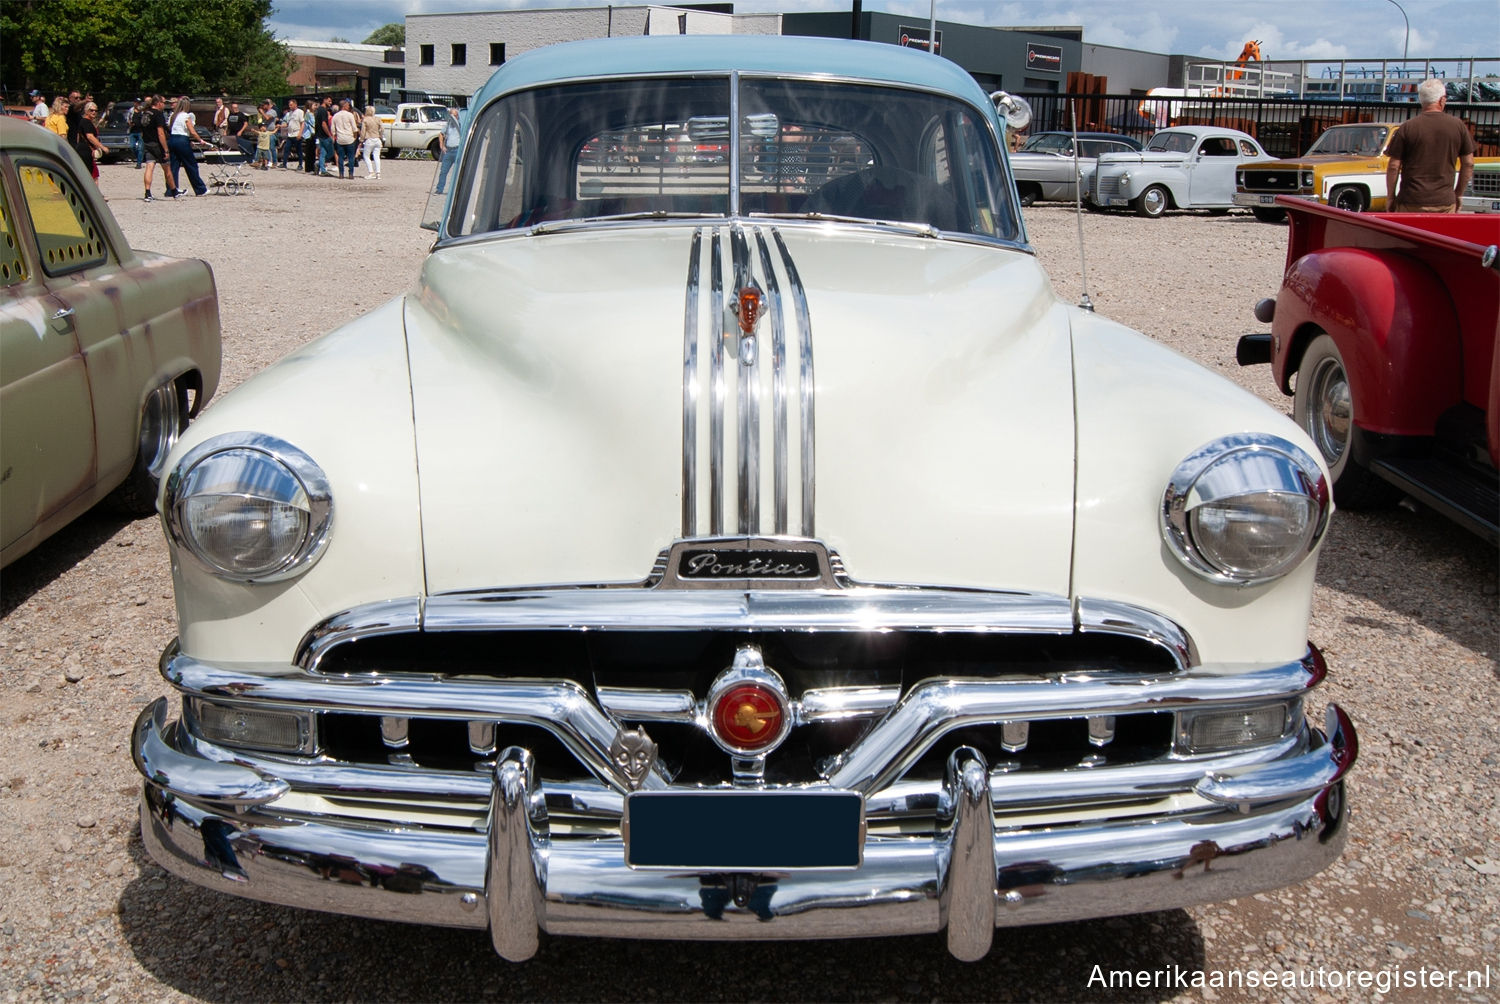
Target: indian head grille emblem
{"points": [[633, 752], [746, 306]]}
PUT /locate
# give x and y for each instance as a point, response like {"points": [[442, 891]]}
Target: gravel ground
{"points": [[1406, 613]]}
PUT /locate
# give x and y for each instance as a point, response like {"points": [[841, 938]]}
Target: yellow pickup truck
{"points": [[1344, 168]]}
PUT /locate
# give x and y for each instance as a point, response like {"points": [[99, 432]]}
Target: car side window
{"points": [[1217, 146], [1247, 149], [12, 265], [67, 236], [408, 115]]}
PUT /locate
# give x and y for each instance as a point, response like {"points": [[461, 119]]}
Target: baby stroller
{"points": [[227, 175]]}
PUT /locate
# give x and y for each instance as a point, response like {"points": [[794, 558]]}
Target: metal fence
{"points": [[1285, 128]]}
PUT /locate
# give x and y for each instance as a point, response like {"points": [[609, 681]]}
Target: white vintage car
{"points": [[1185, 167], [740, 548]]}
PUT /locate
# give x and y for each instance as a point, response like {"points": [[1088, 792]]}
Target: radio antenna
{"points": [[1083, 260]]}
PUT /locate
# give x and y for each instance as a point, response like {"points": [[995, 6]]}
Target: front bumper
{"points": [[218, 824], [1267, 200]]}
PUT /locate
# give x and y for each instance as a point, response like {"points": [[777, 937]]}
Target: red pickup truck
{"points": [[1390, 323]]}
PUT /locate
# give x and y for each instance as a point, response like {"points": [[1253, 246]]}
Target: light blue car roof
{"points": [[772, 55]]}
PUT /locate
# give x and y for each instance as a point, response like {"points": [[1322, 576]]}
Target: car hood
{"points": [[1320, 160], [553, 389], [1143, 157]]}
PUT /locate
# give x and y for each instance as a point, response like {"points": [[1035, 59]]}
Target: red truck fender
{"points": [[1394, 323]]}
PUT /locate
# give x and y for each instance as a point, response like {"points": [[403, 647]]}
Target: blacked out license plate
{"points": [[744, 831]]}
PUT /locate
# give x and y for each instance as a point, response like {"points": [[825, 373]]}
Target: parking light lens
{"points": [[1217, 731], [239, 725]]}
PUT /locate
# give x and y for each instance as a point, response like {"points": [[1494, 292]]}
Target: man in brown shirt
{"points": [[1422, 154]]}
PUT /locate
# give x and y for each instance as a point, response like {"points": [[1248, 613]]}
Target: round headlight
{"points": [[1307, 179], [250, 508], [1245, 509]]}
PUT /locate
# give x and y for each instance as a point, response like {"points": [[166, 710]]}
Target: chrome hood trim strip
{"points": [[733, 265], [804, 382], [690, 393]]}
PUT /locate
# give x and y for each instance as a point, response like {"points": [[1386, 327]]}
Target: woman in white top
{"points": [[369, 132], [180, 139]]}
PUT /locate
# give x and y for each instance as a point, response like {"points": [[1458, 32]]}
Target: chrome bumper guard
{"points": [[1256, 827]]}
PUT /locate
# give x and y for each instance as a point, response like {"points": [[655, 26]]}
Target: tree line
{"points": [[141, 46]]}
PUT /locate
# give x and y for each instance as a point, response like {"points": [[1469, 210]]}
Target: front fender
{"points": [[345, 400], [1394, 324]]}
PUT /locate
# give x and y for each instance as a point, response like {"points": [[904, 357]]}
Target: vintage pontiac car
{"points": [[752, 549], [1046, 168], [1345, 167], [1185, 167], [105, 352]]}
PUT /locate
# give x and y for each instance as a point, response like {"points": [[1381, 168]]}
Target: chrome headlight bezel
{"points": [[1243, 466], [292, 479], [1308, 180]]}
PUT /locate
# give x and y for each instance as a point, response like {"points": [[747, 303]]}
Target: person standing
{"points": [[154, 141], [345, 132], [451, 138], [310, 139], [57, 120], [133, 131], [1423, 151], [270, 123], [221, 116], [183, 135], [369, 134], [86, 140], [291, 128], [39, 111], [235, 125], [325, 134]]}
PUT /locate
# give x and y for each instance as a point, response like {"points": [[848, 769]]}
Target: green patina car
{"points": [[105, 352]]}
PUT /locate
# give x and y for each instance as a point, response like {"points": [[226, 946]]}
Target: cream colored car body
{"points": [[549, 450]]}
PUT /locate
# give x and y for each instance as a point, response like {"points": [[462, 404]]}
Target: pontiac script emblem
{"points": [[734, 563]]}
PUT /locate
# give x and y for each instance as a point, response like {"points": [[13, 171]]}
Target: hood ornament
{"points": [[747, 307]]}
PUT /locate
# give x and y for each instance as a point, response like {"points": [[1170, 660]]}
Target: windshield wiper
{"points": [[920, 229], [552, 226]]}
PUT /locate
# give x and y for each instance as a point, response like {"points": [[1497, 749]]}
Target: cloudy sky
{"points": [[1288, 29]]}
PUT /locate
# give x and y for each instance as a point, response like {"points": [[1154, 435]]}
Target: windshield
{"points": [[1171, 142], [1048, 142], [1351, 141], [664, 147]]}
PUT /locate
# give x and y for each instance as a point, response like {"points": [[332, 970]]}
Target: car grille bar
{"points": [[1284, 180], [563, 708]]}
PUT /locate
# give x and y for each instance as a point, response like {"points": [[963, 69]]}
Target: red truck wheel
{"points": [[1324, 406]]}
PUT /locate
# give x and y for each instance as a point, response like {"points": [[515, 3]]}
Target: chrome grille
{"points": [[1280, 180], [817, 666]]}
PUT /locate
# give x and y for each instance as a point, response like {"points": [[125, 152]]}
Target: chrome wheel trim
{"points": [[161, 425], [1154, 199], [1331, 410]]}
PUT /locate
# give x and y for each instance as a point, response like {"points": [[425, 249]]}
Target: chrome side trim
{"points": [[834, 704], [641, 705], [716, 391], [778, 389], [804, 384], [368, 621], [934, 708], [515, 861], [1112, 617], [747, 378], [967, 896], [690, 391]]}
